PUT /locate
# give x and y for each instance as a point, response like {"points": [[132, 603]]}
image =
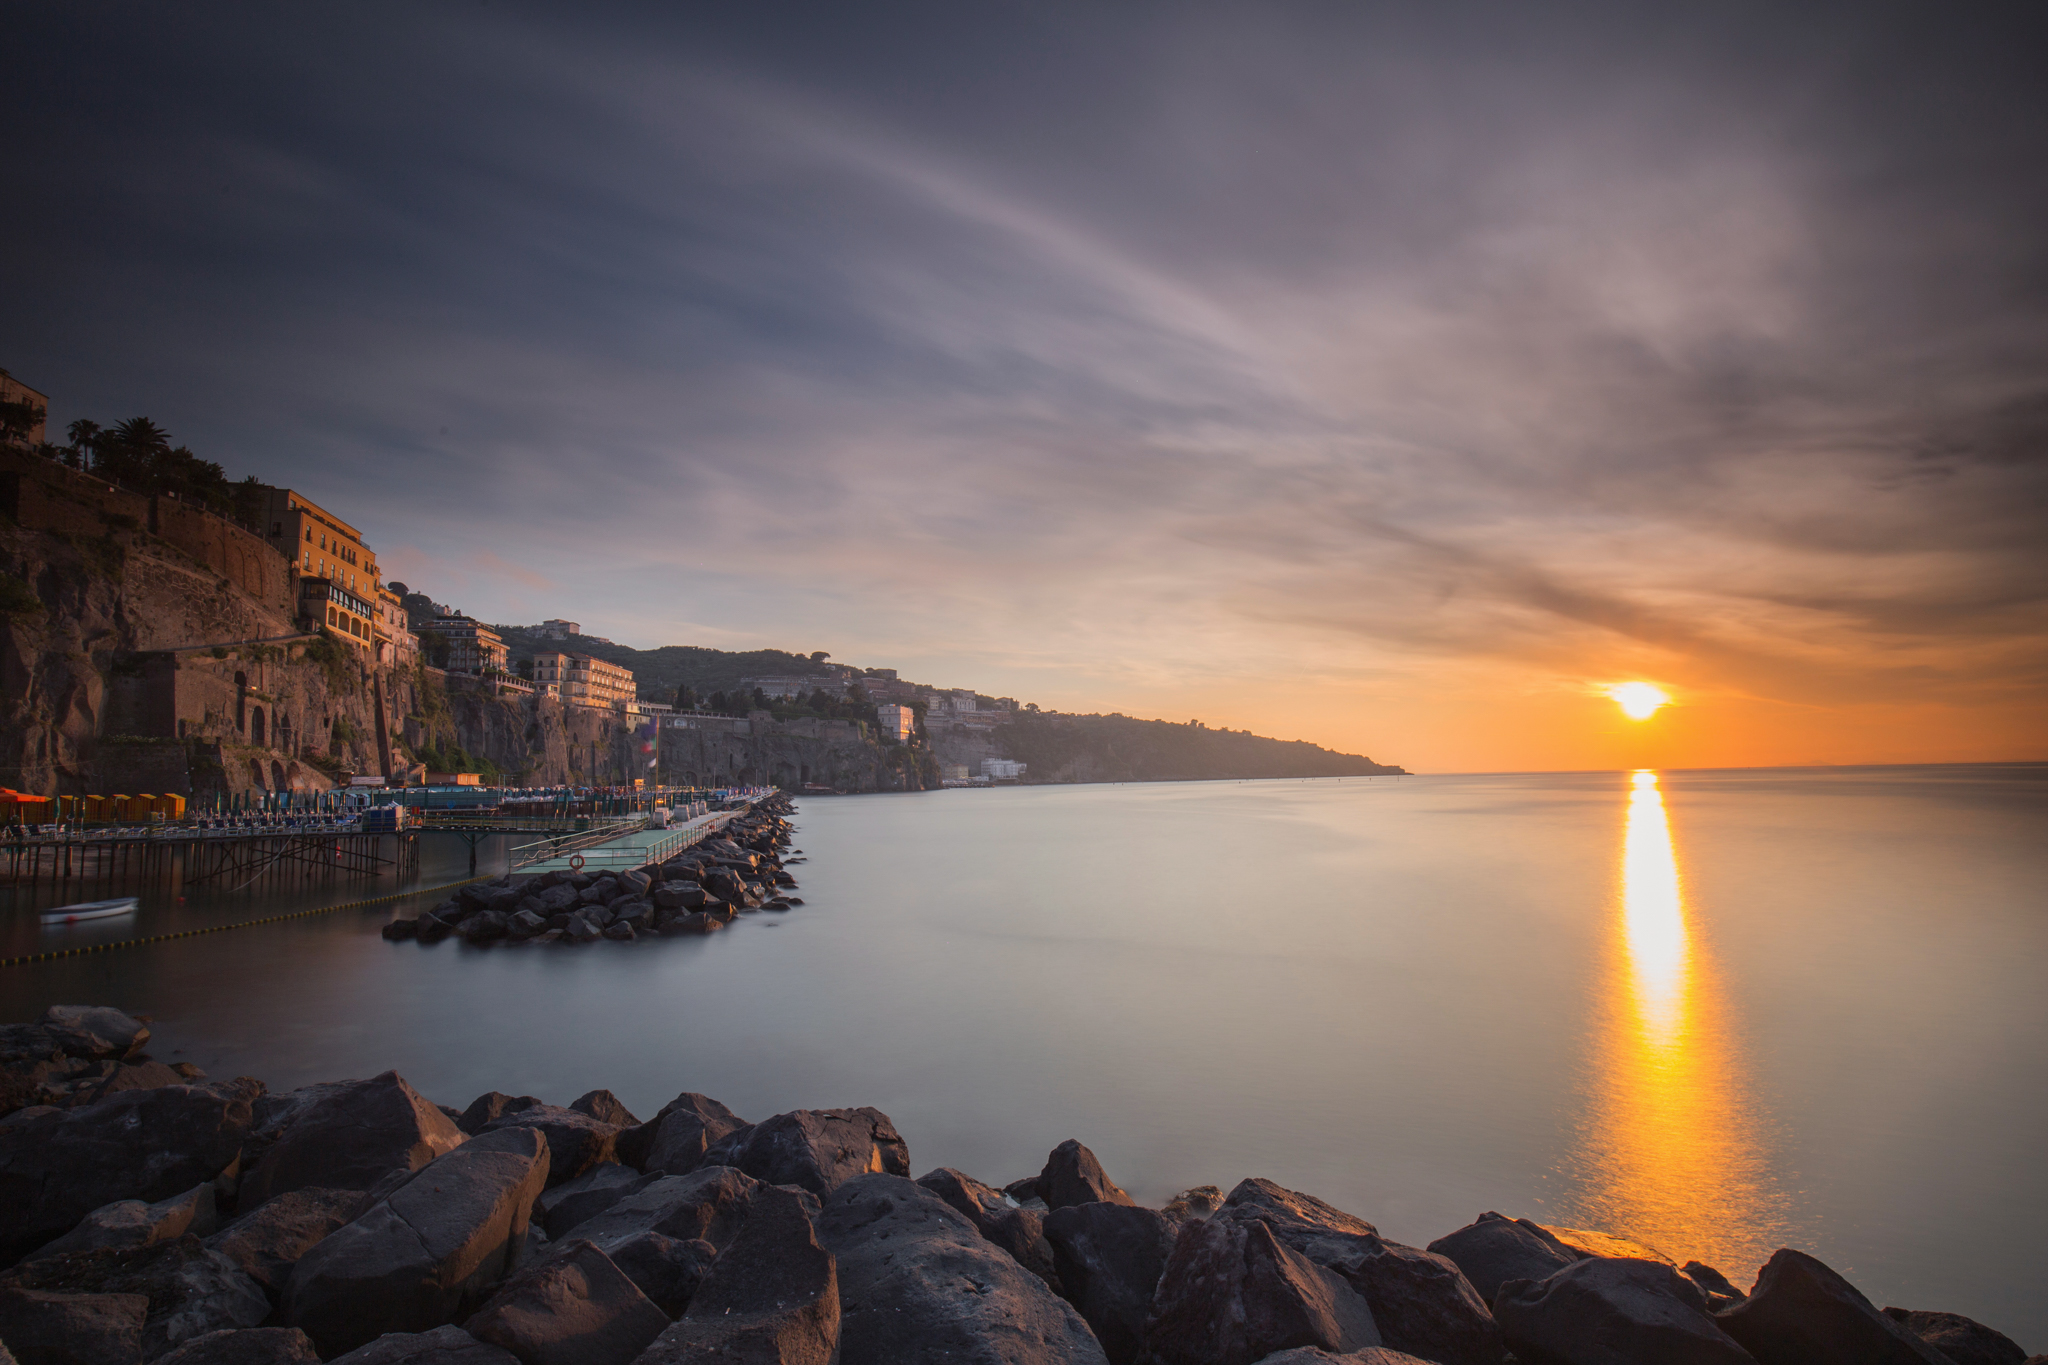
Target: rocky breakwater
{"points": [[737, 871], [356, 1221]]}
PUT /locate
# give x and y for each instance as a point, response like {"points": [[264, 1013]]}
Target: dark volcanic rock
{"points": [[1720, 1293], [1109, 1258], [1232, 1294], [817, 1149], [132, 1223], [72, 1329], [1371, 1355], [576, 1141], [589, 1194], [426, 1253], [918, 1284], [1961, 1339], [773, 1295], [190, 1290], [1021, 1232], [110, 1078], [140, 1144], [1607, 1311], [604, 1106], [1072, 1175], [352, 1137], [1421, 1302], [1494, 1249], [674, 1141], [667, 1269], [484, 926], [246, 1346], [710, 1203], [1803, 1313], [576, 1308], [267, 1242], [492, 1104], [442, 1346]]}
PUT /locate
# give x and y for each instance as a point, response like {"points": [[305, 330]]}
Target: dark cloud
{"points": [[1715, 334]]}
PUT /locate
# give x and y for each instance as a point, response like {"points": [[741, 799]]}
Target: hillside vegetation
{"points": [[1118, 748]]}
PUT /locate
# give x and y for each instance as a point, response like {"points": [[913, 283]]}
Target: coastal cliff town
{"points": [[165, 629]]}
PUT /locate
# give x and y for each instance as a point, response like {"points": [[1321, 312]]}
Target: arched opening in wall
{"points": [[256, 772], [284, 731], [256, 726], [804, 773], [241, 702], [294, 776], [277, 775]]}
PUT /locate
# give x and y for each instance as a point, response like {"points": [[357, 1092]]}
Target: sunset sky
{"points": [[1394, 377]]}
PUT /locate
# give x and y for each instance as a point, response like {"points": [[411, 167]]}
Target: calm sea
{"points": [[1718, 1012]]}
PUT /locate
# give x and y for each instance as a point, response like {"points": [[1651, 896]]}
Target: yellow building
{"points": [[335, 571], [473, 647], [584, 681]]}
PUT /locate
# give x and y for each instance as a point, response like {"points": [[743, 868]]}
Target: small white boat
{"points": [[73, 914]]}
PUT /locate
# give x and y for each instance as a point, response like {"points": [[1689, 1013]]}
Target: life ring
{"points": [[575, 862]]}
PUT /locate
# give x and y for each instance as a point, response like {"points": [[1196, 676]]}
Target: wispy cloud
{"points": [[1169, 343]]}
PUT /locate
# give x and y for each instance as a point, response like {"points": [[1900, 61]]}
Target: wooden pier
{"points": [[228, 860]]}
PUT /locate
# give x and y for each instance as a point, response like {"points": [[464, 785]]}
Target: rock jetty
{"points": [[738, 871], [152, 1216]]}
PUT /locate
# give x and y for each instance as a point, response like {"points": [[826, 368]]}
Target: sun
{"points": [[1638, 700]]}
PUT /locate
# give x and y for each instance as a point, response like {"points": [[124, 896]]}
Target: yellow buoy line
{"points": [[56, 953]]}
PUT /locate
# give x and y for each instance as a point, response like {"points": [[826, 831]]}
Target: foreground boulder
{"points": [[425, 1254], [1232, 1294], [918, 1284], [1494, 1249], [132, 1223], [1610, 1311], [577, 1308], [771, 1297], [42, 1328], [490, 1105], [1803, 1313], [246, 1346], [668, 1270], [588, 1195], [442, 1346], [816, 1149], [1371, 1355], [1072, 1175], [268, 1241], [1109, 1258], [1021, 1232], [148, 1145], [576, 1141], [189, 1289], [1962, 1340], [675, 1140], [711, 1204], [350, 1137], [1421, 1302]]}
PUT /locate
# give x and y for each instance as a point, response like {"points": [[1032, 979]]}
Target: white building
{"points": [[898, 723], [557, 629], [1002, 769]]}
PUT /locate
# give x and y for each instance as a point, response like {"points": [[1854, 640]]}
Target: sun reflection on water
{"points": [[1672, 1150]]}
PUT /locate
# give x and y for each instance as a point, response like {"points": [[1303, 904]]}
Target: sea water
{"points": [[1716, 1012]]}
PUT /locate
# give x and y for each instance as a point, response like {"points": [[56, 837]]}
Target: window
{"points": [[330, 616]]}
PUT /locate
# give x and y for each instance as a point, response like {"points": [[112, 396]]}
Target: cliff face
{"points": [[150, 647]]}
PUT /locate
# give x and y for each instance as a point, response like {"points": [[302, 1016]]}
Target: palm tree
{"points": [[83, 434], [141, 435]]}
